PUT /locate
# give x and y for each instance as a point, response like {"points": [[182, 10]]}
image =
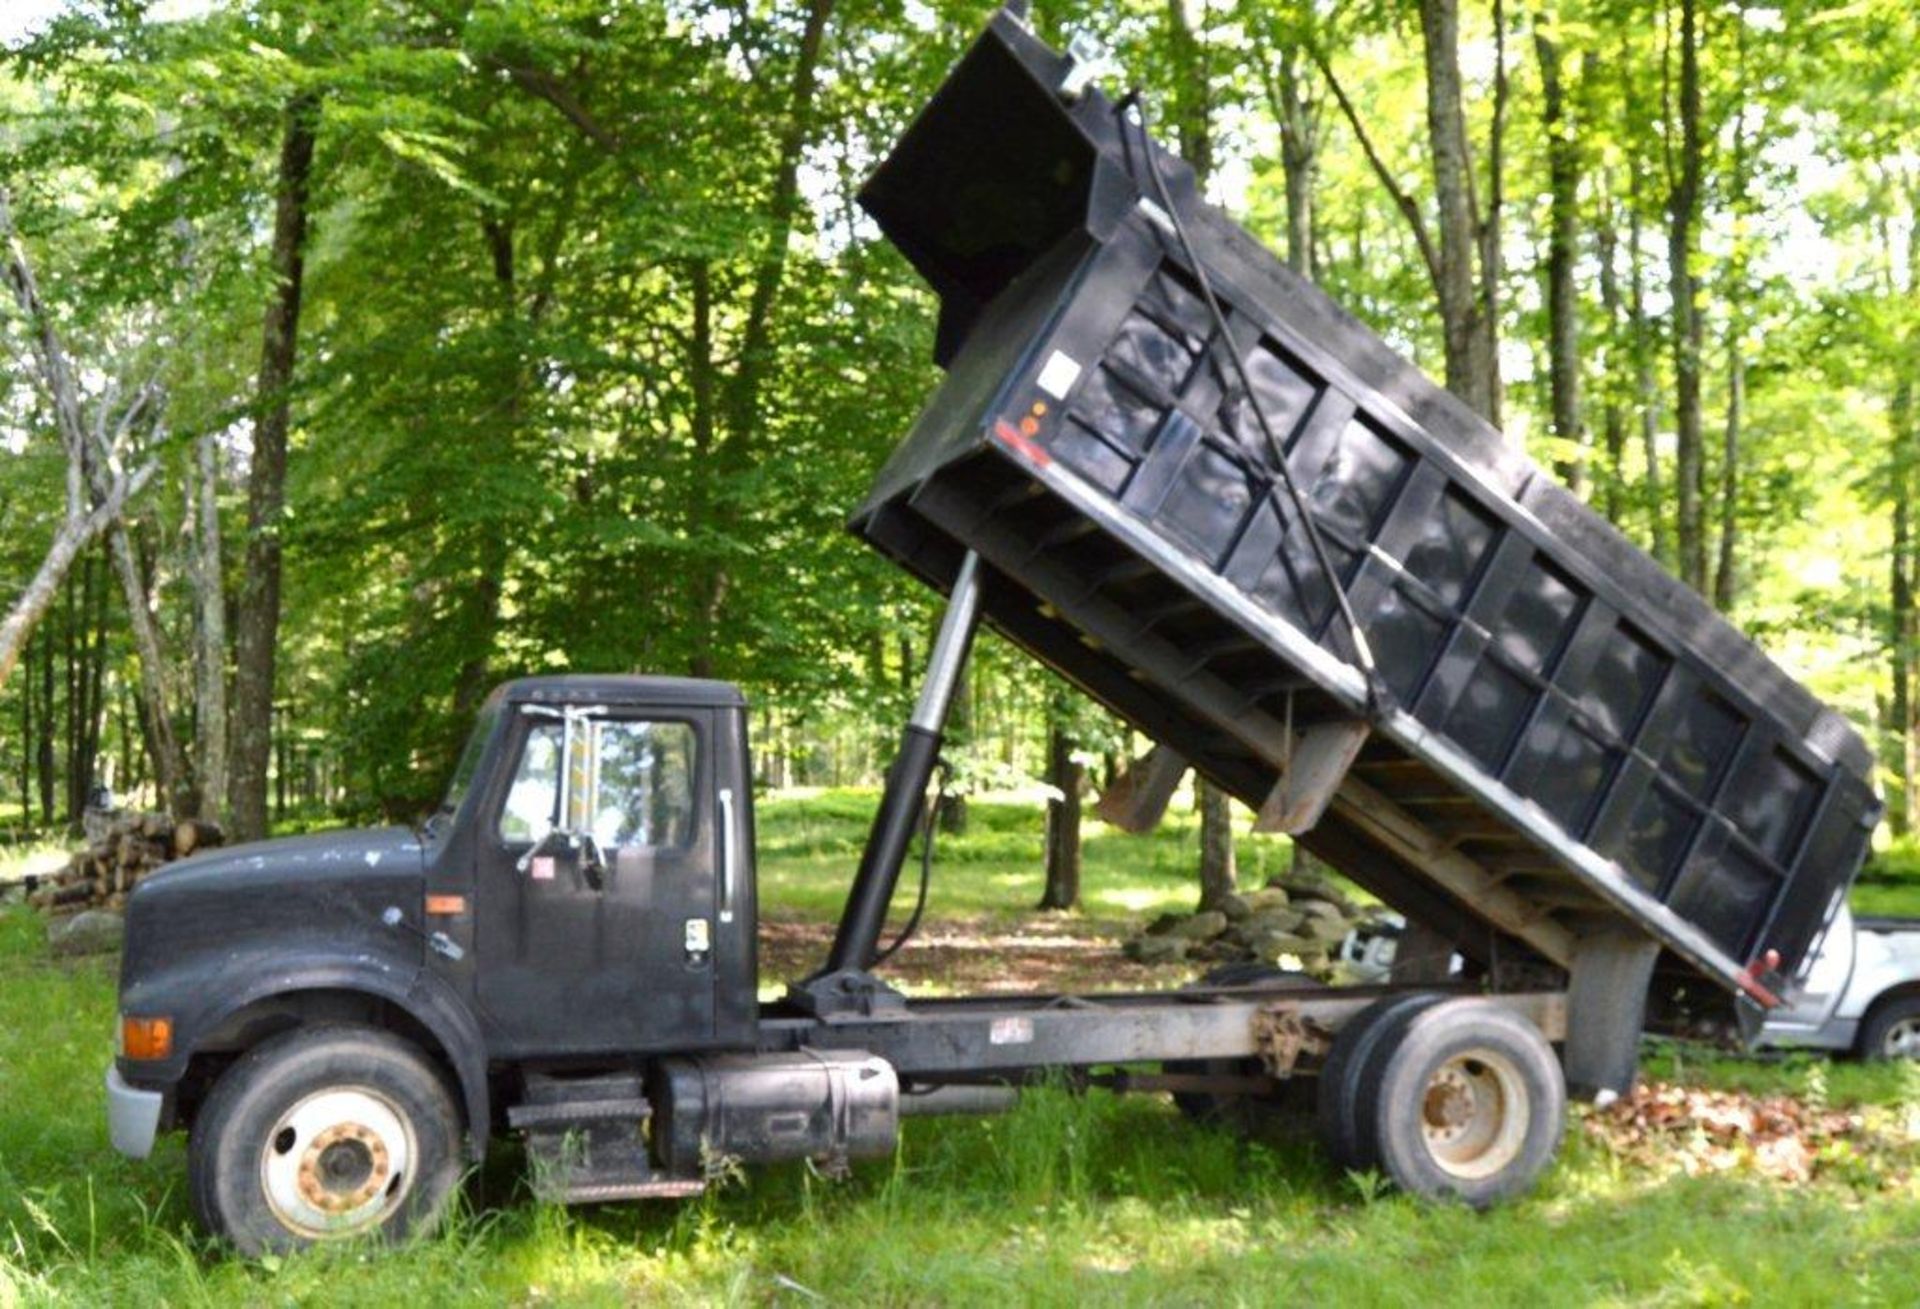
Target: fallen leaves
{"points": [[1696, 1131]]}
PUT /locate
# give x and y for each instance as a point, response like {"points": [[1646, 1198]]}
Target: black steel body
{"points": [[1575, 740]]}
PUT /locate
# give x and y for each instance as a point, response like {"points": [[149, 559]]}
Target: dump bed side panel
{"points": [[1574, 739]]}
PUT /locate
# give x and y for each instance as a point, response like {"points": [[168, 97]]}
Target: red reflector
{"points": [[1016, 440], [446, 904]]}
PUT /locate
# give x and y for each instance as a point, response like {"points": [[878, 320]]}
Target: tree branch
{"points": [[1408, 207]]}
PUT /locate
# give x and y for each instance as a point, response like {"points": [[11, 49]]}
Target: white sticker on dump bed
{"points": [[1010, 1031], [1059, 374]]}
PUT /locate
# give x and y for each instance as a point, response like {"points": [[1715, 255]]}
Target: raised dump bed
{"points": [[1571, 740]]}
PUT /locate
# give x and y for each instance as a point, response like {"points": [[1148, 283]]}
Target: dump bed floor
{"points": [[1572, 739]]}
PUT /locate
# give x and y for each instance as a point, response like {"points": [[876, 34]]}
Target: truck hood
{"points": [[323, 855], [326, 891]]}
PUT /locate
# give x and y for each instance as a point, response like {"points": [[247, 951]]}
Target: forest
{"points": [[365, 353]]}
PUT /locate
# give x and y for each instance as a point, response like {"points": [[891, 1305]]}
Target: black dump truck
{"points": [[1184, 479]]}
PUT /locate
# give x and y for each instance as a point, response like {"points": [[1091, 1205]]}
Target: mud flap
{"points": [[1606, 1010]]}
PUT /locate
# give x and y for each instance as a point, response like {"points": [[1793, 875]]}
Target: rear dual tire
{"points": [[1449, 1099]]}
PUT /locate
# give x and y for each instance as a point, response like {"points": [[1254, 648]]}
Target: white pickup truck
{"points": [[1862, 996]]}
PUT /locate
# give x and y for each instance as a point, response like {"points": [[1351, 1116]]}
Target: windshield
{"points": [[464, 771]]}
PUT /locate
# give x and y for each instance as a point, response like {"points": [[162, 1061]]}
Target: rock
{"points": [[1237, 908], [1165, 924], [1309, 887], [1203, 926], [1279, 919], [92, 931], [1329, 930], [1268, 897], [1271, 946], [1316, 909], [1221, 951], [1155, 949]]}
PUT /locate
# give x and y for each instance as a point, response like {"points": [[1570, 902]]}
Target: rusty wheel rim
{"points": [[1474, 1112], [337, 1163]]}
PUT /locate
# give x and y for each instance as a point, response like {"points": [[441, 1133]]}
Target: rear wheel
{"points": [[321, 1134], [1891, 1030], [1466, 1102], [1345, 1124]]}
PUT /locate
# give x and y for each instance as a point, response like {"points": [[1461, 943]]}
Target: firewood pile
{"points": [[121, 849]]}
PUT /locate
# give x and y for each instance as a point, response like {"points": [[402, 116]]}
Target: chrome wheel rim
{"points": [[1902, 1040], [1474, 1113], [338, 1163]]}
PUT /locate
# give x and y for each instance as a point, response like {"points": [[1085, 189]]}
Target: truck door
{"points": [[579, 953]]}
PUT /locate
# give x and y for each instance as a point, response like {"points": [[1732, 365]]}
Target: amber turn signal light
{"points": [[145, 1038]]}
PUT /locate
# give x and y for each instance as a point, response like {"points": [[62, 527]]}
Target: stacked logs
{"points": [[121, 849]]}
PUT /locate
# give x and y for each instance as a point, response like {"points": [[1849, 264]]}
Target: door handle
{"points": [[728, 854]]}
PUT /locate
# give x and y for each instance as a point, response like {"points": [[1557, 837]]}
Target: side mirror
{"points": [[571, 846]]}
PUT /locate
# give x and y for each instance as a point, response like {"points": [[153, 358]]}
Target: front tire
{"points": [[324, 1133], [1891, 1030]]}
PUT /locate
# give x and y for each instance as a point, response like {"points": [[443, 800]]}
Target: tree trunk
{"points": [[1901, 617], [950, 809], [169, 759], [46, 758], [740, 398], [1726, 578], [486, 588], [210, 632], [1192, 92], [1291, 100], [1066, 774], [1683, 211], [1472, 362], [1726, 582], [257, 618], [1217, 877], [1563, 302], [1659, 542], [1613, 416]]}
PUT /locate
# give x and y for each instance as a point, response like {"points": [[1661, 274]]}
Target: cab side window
{"points": [[533, 801], [628, 782]]}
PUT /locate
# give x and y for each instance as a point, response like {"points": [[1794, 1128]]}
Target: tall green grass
{"points": [[1072, 1200]]}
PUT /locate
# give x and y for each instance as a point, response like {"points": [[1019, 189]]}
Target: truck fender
{"points": [[423, 997]]}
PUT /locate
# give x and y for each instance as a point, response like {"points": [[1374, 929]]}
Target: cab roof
{"points": [[622, 688]]}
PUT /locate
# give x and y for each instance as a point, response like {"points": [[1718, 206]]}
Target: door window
{"points": [[628, 782]]}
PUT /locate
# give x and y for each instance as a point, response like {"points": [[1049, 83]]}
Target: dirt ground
{"points": [[1041, 953]]}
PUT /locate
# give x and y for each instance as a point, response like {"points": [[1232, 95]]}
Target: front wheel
{"points": [[324, 1133], [1891, 1030]]}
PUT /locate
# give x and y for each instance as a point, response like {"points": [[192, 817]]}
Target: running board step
{"points": [[587, 1141]]}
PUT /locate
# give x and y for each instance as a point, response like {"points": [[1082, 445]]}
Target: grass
{"points": [[1071, 1201], [810, 843]]}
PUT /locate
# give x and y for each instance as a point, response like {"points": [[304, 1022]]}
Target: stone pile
{"points": [[1297, 920]]}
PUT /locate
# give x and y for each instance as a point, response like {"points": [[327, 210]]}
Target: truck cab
{"points": [[584, 897], [593, 867]]}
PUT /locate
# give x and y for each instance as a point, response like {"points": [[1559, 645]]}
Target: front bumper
{"points": [[133, 1116]]}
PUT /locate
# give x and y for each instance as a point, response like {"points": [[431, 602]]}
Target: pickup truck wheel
{"points": [[1247, 1115], [1468, 1104], [324, 1133], [1345, 1127], [1891, 1030]]}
